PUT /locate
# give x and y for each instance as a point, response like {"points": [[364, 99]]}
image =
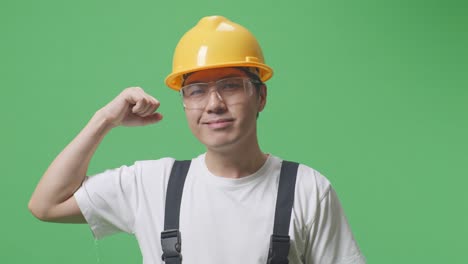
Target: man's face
{"points": [[220, 126]]}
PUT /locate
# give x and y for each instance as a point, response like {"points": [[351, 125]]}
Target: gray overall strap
{"points": [[170, 237], [280, 241]]}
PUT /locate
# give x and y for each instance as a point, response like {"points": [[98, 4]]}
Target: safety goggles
{"points": [[233, 90]]}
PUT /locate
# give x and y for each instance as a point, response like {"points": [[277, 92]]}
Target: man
{"points": [[228, 206]]}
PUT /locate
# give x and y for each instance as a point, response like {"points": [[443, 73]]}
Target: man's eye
{"points": [[195, 91]]}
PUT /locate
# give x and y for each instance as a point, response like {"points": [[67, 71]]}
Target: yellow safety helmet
{"points": [[216, 42]]}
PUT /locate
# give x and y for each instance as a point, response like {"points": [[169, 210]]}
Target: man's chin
{"points": [[219, 145]]}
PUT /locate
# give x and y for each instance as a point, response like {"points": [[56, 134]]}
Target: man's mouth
{"points": [[218, 123]]}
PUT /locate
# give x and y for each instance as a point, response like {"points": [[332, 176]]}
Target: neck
{"points": [[235, 163]]}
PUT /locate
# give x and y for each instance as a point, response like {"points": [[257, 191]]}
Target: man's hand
{"points": [[132, 107]]}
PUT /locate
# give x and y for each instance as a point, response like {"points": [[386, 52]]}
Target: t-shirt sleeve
{"points": [[108, 201], [330, 235]]}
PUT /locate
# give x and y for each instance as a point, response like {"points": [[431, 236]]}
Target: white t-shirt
{"points": [[222, 220]]}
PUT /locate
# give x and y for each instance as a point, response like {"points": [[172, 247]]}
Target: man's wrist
{"points": [[101, 123]]}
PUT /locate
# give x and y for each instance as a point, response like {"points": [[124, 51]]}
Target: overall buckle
{"points": [[171, 246]]}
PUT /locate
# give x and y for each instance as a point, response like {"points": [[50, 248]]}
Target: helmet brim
{"points": [[174, 80]]}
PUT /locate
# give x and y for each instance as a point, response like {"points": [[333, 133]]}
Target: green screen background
{"points": [[373, 94]]}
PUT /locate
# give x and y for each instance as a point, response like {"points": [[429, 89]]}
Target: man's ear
{"points": [[262, 97]]}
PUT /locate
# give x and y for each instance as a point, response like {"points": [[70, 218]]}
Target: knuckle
{"points": [[127, 91], [144, 100]]}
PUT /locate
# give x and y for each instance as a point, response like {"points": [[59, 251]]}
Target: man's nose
{"points": [[215, 102]]}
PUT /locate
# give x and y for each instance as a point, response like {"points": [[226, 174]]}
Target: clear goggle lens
{"points": [[230, 91]]}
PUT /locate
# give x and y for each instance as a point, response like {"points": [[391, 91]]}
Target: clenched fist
{"points": [[132, 107]]}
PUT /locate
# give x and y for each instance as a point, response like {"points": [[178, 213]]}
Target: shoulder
{"points": [[311, 182], [131, 174], [156, 170], [150, 172], [311, 186], [143, 166]]}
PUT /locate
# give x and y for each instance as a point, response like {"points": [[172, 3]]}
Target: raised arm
{"points": [[53, 199]]}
